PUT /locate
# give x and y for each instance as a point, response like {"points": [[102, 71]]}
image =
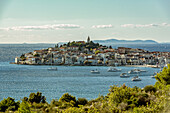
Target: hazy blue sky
{"points": [[51, 21]]}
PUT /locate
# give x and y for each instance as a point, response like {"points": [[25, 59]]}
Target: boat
{"points": [[133, 71], [95, 71], [136, 78], [52, 69], [141, 70], [124, 75], [112, 69]]}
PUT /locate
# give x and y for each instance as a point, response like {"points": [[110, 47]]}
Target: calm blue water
{"points": [[18, 81]]}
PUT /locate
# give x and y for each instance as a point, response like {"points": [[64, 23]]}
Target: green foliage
{"points": [[110, 47], [163, 78], [67, 98], [150, 88], [37, 98], [36, 55], [82, 101], [56, 46], [55, 103], [8, 104], [100, 98], [96, 52], [119, 94], [74, 110], [24, 107], [23, 58], [125, 98]]}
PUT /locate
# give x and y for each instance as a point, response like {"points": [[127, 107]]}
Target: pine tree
{"points": [[24, 107], [163, 77]]}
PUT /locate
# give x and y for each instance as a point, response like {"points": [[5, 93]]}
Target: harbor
{"points": [[20, 80]]}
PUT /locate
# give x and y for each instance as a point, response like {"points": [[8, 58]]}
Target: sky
{"points": [[52, 21]]}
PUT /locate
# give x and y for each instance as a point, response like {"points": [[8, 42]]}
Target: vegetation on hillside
{"points": [[150, 99], [81, 44]]}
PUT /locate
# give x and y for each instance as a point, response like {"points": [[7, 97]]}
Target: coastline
{"points": [[152, 66]]}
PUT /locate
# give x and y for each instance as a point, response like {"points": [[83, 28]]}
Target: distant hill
{"points": [[115, 41]]}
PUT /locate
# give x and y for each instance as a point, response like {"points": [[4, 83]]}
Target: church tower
{"points": [[88, 39]]}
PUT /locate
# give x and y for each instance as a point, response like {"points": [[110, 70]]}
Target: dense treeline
{"points": [[149, 99]]}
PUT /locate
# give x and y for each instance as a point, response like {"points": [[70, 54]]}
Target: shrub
{"points": [[82, 101], [163, 78], [9, 104], [150, 88], [74, 110], [37, 98], [24, 107], [67, 98]]}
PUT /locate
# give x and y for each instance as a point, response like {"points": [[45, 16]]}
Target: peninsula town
{"points": [[88, 53]]}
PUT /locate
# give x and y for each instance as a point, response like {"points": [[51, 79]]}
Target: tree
{"points": [[23, 57], [67, 98], [9, 104], [96, 52], [79, 48], [82, 101], [150, 88], [110, 47], [91, 43], [37, 55], [56, 46], [24, 107], [88, 39], [37, 98], [163, 77]]}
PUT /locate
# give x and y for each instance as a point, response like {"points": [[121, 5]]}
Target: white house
{"points": [[17, 59]]}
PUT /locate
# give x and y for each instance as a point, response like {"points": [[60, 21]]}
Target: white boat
{"points": [[124, 75], [112, 69], [141, 70], [95, 71], [136, 78], [52, 69], [133, 71]]}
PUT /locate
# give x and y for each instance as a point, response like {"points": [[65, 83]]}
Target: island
{"points": [[81, 53]]}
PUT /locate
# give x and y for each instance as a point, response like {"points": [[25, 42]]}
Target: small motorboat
{"points": [[95, 71], [141, 70], [124, 75], [136, 78], [52, 69], [133, 72], [112, 69]]}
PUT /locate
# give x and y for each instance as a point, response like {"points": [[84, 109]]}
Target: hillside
{"points": [[115, 41], [112, 41]]}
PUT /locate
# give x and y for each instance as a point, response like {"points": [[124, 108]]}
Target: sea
{"points": [[18, 81]]}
